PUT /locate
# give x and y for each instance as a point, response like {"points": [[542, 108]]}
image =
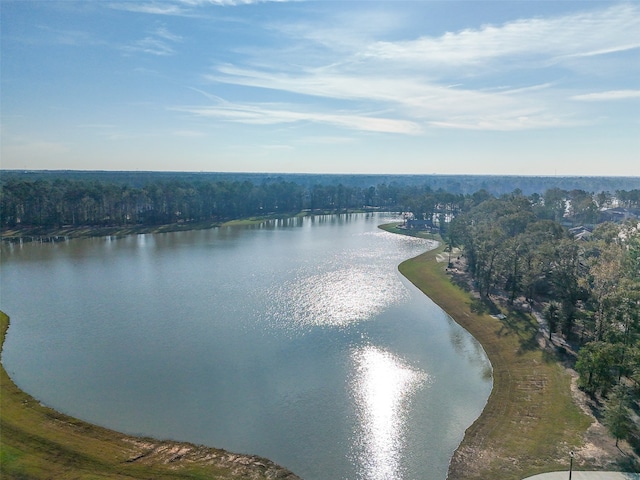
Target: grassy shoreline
{"points": [[530, 422]]}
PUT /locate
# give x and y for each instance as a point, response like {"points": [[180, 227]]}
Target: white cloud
{"points": [[414, 99], [266, 114], [180, 7], [158, 42], [609, 95], [544, 39], [150, 45], [431, 81], [154, 8], [408, 91], [163, 32], [605, 51], [505, 123]]}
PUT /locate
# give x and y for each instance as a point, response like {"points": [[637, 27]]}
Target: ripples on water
{"points": [[350, 286], [335, 298]]}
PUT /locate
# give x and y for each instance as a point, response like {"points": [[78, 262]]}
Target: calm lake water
{"points": [[297, 340]]}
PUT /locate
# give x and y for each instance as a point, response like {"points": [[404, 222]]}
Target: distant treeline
{"points": [[78, 198], [76, 202], [456, 184]]}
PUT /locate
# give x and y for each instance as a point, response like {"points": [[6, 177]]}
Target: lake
{"points": [[297, 340]]}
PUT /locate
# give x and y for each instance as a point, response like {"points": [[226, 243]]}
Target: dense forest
{"points": [[587, 287], [457, 184], [76, 202], [55, 199], [517, 246]]}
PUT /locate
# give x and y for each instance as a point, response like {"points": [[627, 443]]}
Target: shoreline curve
{"points": [[39, 442], [530, 422]]}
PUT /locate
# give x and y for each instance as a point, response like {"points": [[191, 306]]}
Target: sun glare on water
{"points": [[337, 297], [382, 388]]}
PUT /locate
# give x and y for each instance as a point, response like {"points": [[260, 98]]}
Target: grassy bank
{"points": [[530, 422], [37, 442]]}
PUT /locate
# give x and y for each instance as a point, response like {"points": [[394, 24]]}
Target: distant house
{"points": [[581, 233], [619, 214]]}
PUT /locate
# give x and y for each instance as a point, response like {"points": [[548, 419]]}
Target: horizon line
{"points": [[555, 175]]}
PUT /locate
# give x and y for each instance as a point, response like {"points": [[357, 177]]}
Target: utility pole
{"points": [[570, 463]]}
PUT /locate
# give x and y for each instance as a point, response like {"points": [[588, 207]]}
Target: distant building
{"points": [[619, 214], [581, 232]]}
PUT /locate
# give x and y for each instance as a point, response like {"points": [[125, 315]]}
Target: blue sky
{"points": [[450, 87]]}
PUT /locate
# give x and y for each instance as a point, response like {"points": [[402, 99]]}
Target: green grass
{"points": [[37, 442], [530, 422], [395, 228]]}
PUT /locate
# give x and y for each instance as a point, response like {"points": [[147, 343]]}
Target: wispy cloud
{"points": [[270, 114], [545, 40], [610, 95], [162, 32], [159, 42], [413, 78], [511, 121], [411, 92], [412, 98], [150, 45], [154, 8], [180, 7]]}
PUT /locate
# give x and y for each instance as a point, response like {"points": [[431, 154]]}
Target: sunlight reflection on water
{"points": [[350, 286], [382, 388], [338, 297]]}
